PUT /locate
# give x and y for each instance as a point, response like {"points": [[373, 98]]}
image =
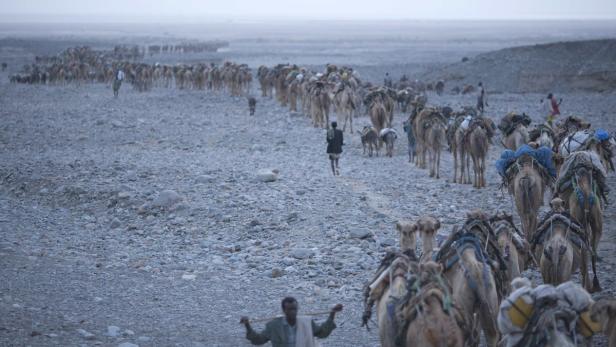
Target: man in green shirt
{"points": [[289, 331]]}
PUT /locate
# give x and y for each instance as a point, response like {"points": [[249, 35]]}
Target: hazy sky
{"points": [[315, 9]]}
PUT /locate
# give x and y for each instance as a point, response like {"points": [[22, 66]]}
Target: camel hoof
{"points": [[596, 287]]}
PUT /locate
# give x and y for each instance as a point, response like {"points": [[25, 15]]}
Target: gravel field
{"points": [[144, 219]]}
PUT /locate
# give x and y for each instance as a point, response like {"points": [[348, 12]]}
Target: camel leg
{"points": [[438, 164], [596, 226], [584, 271], [454, 151], [350, 116], [475, 172]]}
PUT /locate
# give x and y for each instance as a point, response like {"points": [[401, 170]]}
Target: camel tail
{"points": [[557, 251], [525, 185]]}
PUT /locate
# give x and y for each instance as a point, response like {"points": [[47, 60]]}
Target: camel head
{"points": [[557, 205], [604, 312], [477, 214], [408, 235], [428, 226]]}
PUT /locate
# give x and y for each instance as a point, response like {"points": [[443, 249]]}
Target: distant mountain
{"points": [[560, 66]]}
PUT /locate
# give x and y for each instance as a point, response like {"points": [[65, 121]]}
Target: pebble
{"points": [[85, 334], [166, 199], [113, 331], [267, 175], [360, 234], [189, 277], [115, 223], [127, 344], [277, 272], [302, 253]]}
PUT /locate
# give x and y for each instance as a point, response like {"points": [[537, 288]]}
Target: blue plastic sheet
{"points": [[543, 155]]}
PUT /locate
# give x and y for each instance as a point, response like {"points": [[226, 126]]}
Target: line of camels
{"points": [[473, 282]]}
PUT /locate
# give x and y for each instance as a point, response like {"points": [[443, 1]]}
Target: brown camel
{"points": [[319, 106], [478, 150], [408, 235], [472, 277], [517, 137], [604, 312], [426, 119], [586, 207], [428, 227], [460, 157], [559, 256], [527, 188], [432, 319], [511, 242], [435, 140], [378, 116], [369, 140], [345, 105]]}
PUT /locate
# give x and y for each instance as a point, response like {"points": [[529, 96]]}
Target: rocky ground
{"points": [[160, 218]]}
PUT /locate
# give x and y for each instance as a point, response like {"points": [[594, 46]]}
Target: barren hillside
{"points": [[539, 68]]}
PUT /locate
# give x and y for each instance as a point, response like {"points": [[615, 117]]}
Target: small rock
{"points": [[113, 331], [85, 334], [360, 234], [144, 338], [128, 332], [117, 124], [267, 175], [276, 272], [166, 199], [127, 344], [203, 179], [189, 277], [115, 223], [302, 253]]}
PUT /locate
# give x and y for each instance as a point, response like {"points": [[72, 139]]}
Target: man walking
{"points": [[481, 99], [290, 330], [552, 107], [117, 82], [334, 147]]}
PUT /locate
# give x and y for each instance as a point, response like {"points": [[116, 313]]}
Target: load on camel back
{"points": [[514, 130], [547, 315], [598, 141], [527, 173]]}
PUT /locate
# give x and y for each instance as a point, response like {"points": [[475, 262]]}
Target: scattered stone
{"points": [[203, 179], [144, 338], [85, 334], [166, 199], [360, 234], [267, 175], [113, 331], [276, 272], [127, 344], [115, 223], [117, 124], [302, 253], [128, 332], [189, 277]]}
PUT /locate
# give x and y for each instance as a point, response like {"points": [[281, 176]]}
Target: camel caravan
{"points": [[85, 65], [471, 286]]}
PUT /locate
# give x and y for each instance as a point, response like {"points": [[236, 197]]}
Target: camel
{"points": [[472, 278], [527, 187], [345, 105], [460, 158], [319, 105], [586, 207], [432, 318], [558, 245], [478, 150], [428, 227], [408, 235], [435, 140], [369, 139], [516, 138], [511, 242], [293, 94], [603, 311], [378, 116], [426, 119]]}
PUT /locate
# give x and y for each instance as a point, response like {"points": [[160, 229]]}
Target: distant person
{"points": [[335, 141], [481, 99], [117, 82], [387, 82], [252, 105], [290, 330], [4, 66], [552, 107]]}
